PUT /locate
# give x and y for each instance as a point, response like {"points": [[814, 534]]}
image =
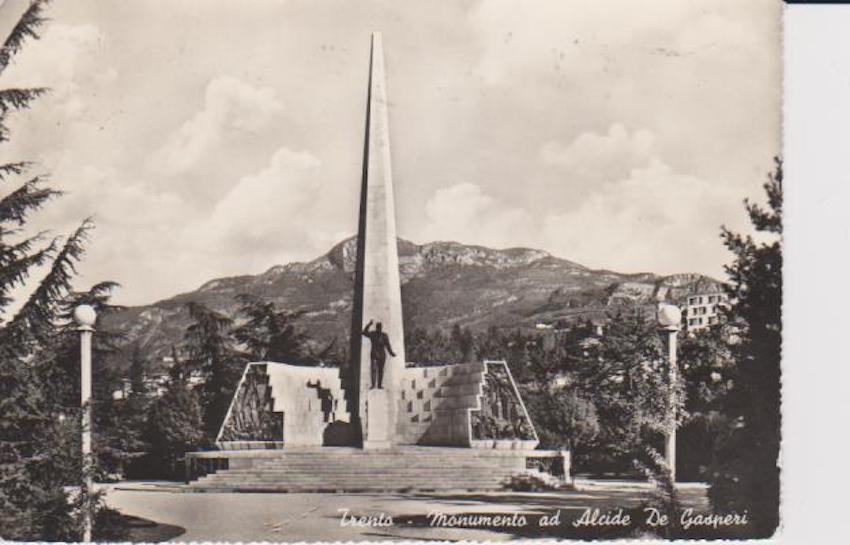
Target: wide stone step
{"points": [[455, 402], [371, 470], [402, 462], [334, 469], [374, 472], [289, 488], [283, 454], [391, 479], [383, 456], [462, 389], [357, 484], [460, 472], [421, 464], [352, 479]]}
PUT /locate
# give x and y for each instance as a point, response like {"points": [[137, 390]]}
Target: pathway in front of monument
{"points": [[319, 517]]}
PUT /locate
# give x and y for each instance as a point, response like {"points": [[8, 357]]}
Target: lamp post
{"points": [[669, 323], [85, 317]]}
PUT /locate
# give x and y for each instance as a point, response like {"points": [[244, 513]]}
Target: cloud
{"points": [[231, 107], [64, 60], [653, 219], [275, 214], [464, 212], [68, 61], [601, 156], [578, 38]]}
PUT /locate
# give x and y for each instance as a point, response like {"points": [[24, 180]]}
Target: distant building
{"points": [[702, 310], [123, 391], [156, 384], [598, 327]]}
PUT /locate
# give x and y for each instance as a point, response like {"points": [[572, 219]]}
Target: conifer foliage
{"points": [[269, 334], [175, 423], [746, 476], [212, 355], [36, 431]]}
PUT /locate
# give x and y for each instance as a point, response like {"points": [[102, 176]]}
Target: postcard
{"points": [[323, 271]]}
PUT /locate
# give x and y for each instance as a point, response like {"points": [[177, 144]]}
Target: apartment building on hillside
{"points": [[702, 310]]}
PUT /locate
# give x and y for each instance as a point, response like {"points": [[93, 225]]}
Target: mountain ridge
{"points": [[443, 283]]}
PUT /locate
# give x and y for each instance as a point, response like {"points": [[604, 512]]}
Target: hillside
{"points": [[443, 283]]}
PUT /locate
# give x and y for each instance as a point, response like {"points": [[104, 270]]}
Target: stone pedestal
{"points": [[378, 419]]}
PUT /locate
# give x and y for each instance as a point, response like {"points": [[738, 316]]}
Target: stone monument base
{"points": [[398, 469], [378, 420]]}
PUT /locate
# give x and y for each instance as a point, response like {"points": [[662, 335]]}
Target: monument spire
{"points": [[377, 289]]}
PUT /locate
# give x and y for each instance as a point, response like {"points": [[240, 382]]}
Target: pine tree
{"points": [[211, 351], [36, 440], [138, 373], [746, 475], [463, 344], [269, 334], [174, 424], [625, 377], [135, 405], [564, 419]]}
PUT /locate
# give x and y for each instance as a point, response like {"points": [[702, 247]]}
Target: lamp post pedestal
{"points": [[85, 317], [670, 342], [669, 323]]}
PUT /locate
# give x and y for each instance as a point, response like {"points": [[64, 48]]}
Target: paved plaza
{"points": [[296, 517]]}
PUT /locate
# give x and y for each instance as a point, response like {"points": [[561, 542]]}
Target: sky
{"points": [[212, 138]]}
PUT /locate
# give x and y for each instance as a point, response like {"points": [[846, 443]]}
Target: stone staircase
{"points": [[435, 404], [355, 470]]}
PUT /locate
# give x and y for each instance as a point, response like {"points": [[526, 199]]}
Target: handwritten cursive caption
{"points": [[589, 518], [655, 518]]}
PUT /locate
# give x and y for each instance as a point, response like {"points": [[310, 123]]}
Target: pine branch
{"points": [[14, 168], [10, 254], [18, 99], [15, 206], [39, 311], [16, 262], [97, 296], [25, 28], [769, 220], [15, 99]]}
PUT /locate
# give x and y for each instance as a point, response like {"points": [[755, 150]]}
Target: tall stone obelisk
{"points": [[377, 288]]}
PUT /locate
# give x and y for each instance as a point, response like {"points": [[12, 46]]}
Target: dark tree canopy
{"points": [[37, 431], [746, 475], [212, 354]]}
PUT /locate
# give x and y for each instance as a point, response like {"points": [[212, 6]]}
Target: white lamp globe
{"points": [[85, 316], [669, 316]]}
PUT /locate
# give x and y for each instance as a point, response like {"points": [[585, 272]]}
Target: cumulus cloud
{"points": [[230, 106], [464, 212], [68, 61], [64, 60], [278, 213], [653, 219], [577, 37], [601, 156]]}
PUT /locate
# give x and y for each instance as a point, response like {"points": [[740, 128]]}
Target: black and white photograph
{"points": [[390, 270]]}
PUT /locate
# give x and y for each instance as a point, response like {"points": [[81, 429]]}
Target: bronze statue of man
{"points": [[380, 346]]}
